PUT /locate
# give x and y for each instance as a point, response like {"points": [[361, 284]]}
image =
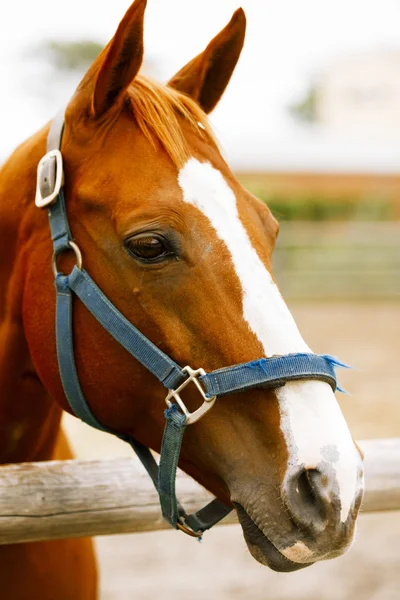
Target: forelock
{"points": [[159, 111]]}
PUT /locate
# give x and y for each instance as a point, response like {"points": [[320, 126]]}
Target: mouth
{"points": [[261, 547]]}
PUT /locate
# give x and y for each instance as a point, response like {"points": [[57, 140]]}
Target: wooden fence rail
{"points": [[60, 499], [338, 261]]}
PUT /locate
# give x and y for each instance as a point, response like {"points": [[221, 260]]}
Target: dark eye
{"points": [[148, 248]]}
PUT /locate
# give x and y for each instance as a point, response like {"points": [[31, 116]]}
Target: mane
{"points": [[159, 110]]}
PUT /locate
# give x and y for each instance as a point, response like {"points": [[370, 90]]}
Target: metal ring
{"points": [[195, 534], [78, 256]]}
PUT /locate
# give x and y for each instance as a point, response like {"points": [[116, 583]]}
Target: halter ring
{"points": [[78, 255]]}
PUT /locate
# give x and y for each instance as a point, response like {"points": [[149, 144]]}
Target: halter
{"points": [[265, 372]]}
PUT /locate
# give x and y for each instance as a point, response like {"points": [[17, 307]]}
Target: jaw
{"points": [[261, 547]]}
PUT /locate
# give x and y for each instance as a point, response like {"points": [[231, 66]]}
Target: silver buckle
{"points": [[208, 403], [50, 178]]}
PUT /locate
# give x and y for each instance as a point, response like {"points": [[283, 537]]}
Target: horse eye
{"points": [[148, 248]]}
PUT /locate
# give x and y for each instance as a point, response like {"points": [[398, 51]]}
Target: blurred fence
{"points": [[347, 260], [314, 195]]}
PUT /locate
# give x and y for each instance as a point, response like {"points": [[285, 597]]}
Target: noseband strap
{"points": [[263, 373]]}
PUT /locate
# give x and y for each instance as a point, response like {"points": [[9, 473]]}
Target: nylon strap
{"points": [[59, 225], [265, 372], [270, 372], [157, 362], [175, 425], [172, 511], [65, 355]]}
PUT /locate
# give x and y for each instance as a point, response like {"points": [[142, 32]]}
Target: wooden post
{"points": [[74, 498]]}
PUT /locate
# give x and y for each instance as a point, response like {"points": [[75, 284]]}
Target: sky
{"points": [[288, 44]]}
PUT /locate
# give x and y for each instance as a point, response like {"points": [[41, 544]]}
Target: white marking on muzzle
{"points": [[299, 553], [316, 433], [311, 420]]}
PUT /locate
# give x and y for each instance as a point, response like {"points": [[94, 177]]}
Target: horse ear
{"points": [[206, 76], [123, 58]]}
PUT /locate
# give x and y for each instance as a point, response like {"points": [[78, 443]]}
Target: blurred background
{"points": [[311, 124]]}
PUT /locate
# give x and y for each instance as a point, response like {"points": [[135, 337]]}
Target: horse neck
{"points": [[29, 419], [17, 208]]}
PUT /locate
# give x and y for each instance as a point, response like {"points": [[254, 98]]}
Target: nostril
{"points": [[307, 497], [306, 493]]}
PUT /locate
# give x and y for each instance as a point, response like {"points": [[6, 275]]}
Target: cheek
{"points": [[111, 380], [122, 393], [38, 312], [240, 439]]}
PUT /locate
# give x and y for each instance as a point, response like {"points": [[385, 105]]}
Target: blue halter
{"points": [[265, 372]]}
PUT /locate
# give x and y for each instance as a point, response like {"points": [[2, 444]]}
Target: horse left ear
{"points": [[123, 58], [206, 76]]}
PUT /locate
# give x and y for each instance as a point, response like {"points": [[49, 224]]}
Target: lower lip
{"points": [[270, 554]]}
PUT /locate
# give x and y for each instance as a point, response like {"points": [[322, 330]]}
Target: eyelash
{"points": [[158, 242]]}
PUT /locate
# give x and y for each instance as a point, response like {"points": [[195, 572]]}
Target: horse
{"points": [[183, 251]]}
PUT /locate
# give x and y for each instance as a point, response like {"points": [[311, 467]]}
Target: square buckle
{"points": [[193, 375], [50, 178]]}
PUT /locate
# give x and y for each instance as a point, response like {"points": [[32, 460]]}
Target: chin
{"points": [[262, 549]]}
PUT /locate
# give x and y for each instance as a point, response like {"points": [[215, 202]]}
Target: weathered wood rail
{"points": [[338, 261], [75, 498]]}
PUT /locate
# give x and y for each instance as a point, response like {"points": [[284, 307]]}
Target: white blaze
{"points": [[311, 420]]}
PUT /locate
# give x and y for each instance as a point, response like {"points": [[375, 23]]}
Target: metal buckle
{"points": [[188, 531], [50, 178], [207, 404]]}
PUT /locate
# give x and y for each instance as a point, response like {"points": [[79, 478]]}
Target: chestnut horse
{"points": [[184, 252]]}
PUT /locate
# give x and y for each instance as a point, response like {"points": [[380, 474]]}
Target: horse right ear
{"points": [[120, 61], [206, 76]]}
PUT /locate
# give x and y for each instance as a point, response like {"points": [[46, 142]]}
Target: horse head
{"points": [[184, 252]]}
